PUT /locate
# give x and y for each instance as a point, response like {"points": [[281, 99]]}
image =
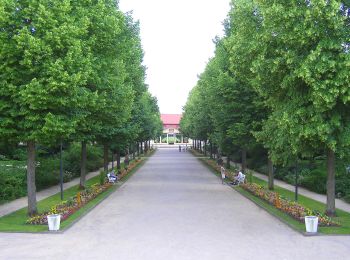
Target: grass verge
{"points": [[15, 222], [342, 217]]}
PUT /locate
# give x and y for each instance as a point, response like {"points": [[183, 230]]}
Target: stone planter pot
{"points": [[311, 224], [54, 222]]}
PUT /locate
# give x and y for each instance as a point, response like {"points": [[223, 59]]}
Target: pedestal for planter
{"points": [[54, 222], [311, 223]]}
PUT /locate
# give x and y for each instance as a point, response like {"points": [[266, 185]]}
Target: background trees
{"points": [[71, 71], [280, 76]]}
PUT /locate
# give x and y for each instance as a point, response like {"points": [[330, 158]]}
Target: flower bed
{"points": [[292, 208], [68, 207]]}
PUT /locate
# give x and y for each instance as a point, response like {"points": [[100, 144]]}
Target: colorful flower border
{"points": [[70, 206], [291, 208]]}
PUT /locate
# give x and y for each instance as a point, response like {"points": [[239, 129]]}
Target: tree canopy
{"points": [[279, 77], [71, 70]]}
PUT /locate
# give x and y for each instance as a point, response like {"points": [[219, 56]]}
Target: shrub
{"points": [[47, 173], [72, 158], [12, 180], [347, 198], [67, 176], [13, 174], [315, 181]]}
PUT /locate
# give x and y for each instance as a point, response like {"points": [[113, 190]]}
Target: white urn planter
{"points": [[54, 221], [311, 224]]}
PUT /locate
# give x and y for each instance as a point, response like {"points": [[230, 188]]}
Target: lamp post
{"points": [[296, 179], [61, 170]]}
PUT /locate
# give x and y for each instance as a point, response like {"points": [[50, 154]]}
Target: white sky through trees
{"points": [[177, 40]]}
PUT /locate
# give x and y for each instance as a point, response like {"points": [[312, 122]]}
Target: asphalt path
{"points": [[175, 208]]}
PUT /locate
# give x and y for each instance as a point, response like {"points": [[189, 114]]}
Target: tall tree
{"points": [[43, 67], [111, 100], [305, 59]]}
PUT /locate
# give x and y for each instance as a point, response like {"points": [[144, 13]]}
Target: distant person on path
{"points": [[220, 162], [180, 148], [223, 174]]}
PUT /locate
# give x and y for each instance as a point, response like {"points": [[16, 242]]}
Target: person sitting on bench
{"points": [[239, 178], [112, 177]]}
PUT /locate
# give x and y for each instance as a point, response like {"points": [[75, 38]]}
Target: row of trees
{"points": [[72, 71], [279, 78]]}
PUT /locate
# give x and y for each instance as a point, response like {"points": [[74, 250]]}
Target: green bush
{"points": [[315, 181], [12, 180], [13, 174], [47, 173], [347, 198], [72, 158]]}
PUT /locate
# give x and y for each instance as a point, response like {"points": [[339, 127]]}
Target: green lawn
{"points": [[342, 217], [15, 222]]}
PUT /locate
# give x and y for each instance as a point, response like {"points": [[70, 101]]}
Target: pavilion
{"points": [[171, 129]]}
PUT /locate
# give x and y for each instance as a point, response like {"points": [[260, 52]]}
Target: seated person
{"points": [[239, 178], [112, 177]]}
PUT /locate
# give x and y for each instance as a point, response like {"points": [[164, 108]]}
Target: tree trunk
{"points": [[138, 148], [112, 160], [83, 166], [105, 158], [330, 211], [126, 160], [200, 146], [244, 160], [228, 162], [31, 188], [211, 150], [118, 161], [133, 152], [270, 174], [205, 148]]}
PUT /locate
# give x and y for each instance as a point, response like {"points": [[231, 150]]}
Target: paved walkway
{"points": [[340, 204], [175, 208], [20, 203]]}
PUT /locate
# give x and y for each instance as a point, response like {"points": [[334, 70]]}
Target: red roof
{"points": [[170, 119]]}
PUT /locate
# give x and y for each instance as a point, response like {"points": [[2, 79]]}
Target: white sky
{"points": [[177, 41]]}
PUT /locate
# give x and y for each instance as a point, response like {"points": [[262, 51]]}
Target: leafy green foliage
{"points": [[279, 77], [13, 173]]}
